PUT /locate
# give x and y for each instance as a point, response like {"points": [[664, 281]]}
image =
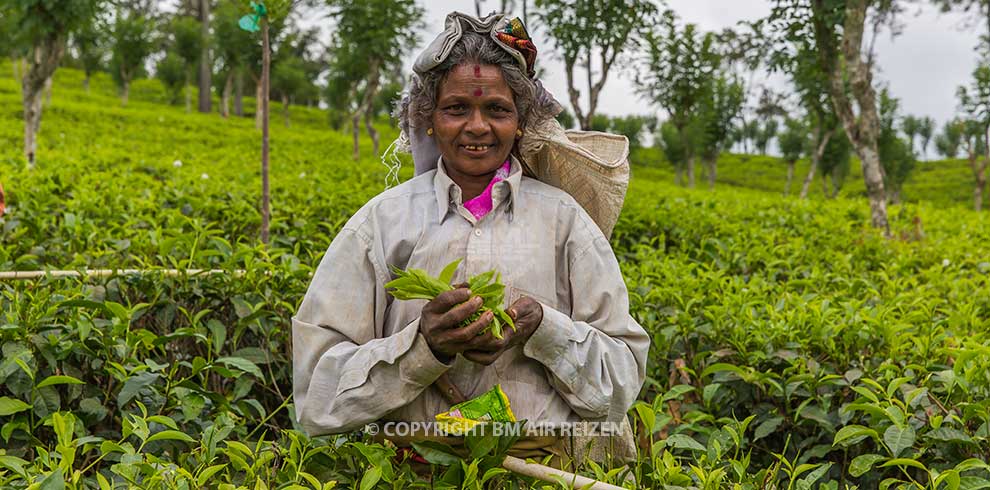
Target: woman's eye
{"points": [[498, 108], [455, 107]]}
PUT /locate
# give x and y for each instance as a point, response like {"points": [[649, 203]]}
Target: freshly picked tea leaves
{"points": [[417, 284]]}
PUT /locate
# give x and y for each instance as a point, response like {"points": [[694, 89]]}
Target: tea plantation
{"points": [[793, 347]]}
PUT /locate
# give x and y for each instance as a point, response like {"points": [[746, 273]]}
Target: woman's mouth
{"points": [[476, 149]]}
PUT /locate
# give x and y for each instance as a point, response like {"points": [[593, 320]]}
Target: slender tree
{"points": [[948, 142], [834, 164], [235, 49], [672, 144], [91, 46], [674, 74], [590, 31], [720, 107], [132, 44], [369, 43], [793, 141], [837, 27], [926, 131], [975, 102], [896, 154], [41, 28], [172, 71], [911, 126], [205, 57], [184, 40]]}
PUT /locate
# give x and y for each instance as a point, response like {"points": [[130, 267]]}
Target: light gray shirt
{"points": [[358, 355]]}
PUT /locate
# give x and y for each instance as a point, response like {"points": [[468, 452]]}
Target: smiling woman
{"points": [[575, 354]]}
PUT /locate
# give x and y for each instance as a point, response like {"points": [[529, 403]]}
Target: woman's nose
{"points": [[476, 123]]}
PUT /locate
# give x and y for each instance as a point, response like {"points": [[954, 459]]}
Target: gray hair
{"points": [[533, 103]]}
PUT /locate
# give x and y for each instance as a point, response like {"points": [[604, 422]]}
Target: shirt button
{"points": [[477, 232]]}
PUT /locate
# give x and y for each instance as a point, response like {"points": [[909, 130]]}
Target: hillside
{"points": [[790, 342], [938, 183]]}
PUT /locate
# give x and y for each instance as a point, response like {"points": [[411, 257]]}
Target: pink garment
{"points": [[482, 204]]}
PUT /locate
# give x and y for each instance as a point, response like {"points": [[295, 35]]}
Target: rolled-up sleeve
{"points": [[596, 356], [345, 374]]}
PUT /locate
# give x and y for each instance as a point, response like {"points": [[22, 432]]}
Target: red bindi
{"points": [[478, 92], [477, 71]]}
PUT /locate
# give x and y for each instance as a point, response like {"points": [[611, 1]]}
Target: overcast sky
{"points": [[923, 65]]}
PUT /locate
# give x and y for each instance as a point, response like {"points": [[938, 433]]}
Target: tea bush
{"points": [[792, 346]]}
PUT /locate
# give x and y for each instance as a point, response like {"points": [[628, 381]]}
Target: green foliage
{"points": [[792, 346], [133, 42], [896, 155], [172, 71], [417, 284], [29, 21], [91, 44], [947, 142], [794, 140], [185, 39]]}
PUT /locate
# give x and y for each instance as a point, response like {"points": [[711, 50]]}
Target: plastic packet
{"points": [[491, 406]]}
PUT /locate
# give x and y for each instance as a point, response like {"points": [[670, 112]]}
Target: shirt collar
{"points": [[448, 193]]}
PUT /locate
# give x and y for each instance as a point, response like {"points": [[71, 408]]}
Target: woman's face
{"points": [[475, 121]]}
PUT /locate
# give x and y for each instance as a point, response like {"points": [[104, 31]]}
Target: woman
{"points": [[576, 353]]}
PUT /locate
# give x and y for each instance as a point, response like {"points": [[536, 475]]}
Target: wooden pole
{"points": [[16, 275], [265, 64]]}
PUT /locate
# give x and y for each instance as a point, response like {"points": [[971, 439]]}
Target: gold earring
{"points": [[429, 132], [518, 133]]}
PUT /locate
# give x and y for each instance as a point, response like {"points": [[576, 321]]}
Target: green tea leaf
{"points": [[863, 463], [898, 438], [10, 406]]}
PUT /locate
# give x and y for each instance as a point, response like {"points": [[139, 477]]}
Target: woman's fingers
{"points": [[447, 299], [465, 335], [454, 316]]}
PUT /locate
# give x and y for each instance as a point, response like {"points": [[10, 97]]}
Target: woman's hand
{"points": [[440, 322], [526, 313]]}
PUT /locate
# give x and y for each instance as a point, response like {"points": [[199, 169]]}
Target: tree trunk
{"points": [[285, 109], [86, 82], [574, 95], [259, 90], [45, 56], [825, 191], [981, 183], [16, 62], [125, 93], [854, 72], [239, 93], [265, 196], [979, 177], [205, 63], [808, 178], [690, 170], [228, 85], [790, 177], [356, 132], [370, 90], [371, 132], [188, 90], [48, 91], [679, 175], [712, 168]]}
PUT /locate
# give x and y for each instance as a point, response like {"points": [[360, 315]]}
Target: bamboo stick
{"points": [[553, 475], [17, 275]]}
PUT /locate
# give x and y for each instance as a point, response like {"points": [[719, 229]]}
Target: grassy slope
{"points": [[791, 293], [939, 182]]}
